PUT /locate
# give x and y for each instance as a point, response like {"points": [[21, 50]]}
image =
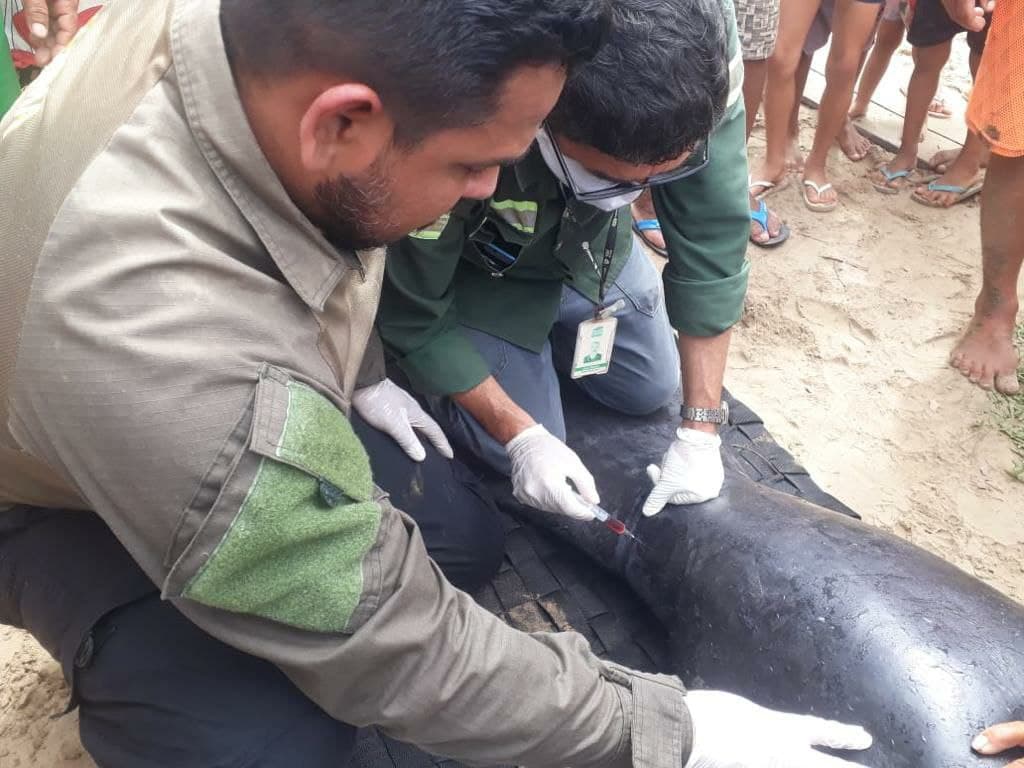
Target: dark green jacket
{"points": [[438, 279]]}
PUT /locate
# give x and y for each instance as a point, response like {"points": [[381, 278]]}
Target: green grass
{"points": [[1008, 416]]}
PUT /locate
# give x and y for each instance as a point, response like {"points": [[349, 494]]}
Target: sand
{"points": [[842, 351], [32, 691]]}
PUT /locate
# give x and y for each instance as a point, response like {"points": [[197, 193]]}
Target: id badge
{"points": [[595, 340]]}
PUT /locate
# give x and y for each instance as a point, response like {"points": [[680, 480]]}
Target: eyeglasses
{"points": [[695, 163]]}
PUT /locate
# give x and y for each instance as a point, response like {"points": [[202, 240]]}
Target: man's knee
{"points": [[650, 393], [312, 742], [466, 538], [453, 509], [155, 691]]}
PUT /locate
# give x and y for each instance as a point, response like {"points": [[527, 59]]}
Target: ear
{"points": [[344, 130]]}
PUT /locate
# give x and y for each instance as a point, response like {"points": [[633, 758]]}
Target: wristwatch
{"points": [[719, 415]]}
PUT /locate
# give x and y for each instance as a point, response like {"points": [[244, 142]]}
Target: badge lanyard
{"points": [[595, 338], [606, 262]]}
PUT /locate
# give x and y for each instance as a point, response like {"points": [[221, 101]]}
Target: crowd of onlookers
{"points": [[779, 38]]}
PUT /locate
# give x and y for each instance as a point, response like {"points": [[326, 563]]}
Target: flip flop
{"points": [[761, 217], [887, 188], [643, 226], [768, 188], [962, 193], [818, 189]]}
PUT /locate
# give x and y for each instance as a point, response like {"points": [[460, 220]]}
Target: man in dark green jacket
{"points": [[481, 308]]}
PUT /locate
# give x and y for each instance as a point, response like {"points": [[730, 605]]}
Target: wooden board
{"points": [[884, 122]]}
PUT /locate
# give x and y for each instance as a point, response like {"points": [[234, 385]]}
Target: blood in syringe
{"points": [[615, 526]]}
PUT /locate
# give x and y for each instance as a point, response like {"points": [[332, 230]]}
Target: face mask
{"points": [[585, 180]]}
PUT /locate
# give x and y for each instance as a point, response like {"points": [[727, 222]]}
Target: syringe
{"points": [[613, 524]]}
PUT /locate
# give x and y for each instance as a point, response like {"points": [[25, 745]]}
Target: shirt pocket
{"points": [[286, 522]]}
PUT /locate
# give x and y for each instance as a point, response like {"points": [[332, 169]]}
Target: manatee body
{"points": [[803, 609]]}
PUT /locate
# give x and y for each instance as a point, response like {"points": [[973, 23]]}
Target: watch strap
{"points": [[718, 415]]}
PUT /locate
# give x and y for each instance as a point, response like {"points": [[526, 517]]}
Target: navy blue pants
{"points": [[153, 690]]}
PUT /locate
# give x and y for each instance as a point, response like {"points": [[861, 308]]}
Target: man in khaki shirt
{"points": [[188, 282]]}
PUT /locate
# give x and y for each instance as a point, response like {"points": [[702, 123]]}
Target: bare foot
{"points": [[942, 159], [986, 355], [643, 208], [854, 145], [858, 110], [757, 233]]}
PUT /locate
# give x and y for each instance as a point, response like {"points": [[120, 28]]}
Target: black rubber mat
{"points": [[545, 585]]}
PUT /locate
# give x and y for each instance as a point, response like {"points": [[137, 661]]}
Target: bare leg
{"points": [[855, 146], [942, 159], [985, 354], [794, 157], [890, 35], [754, 72], [795, 17], [964, 168], [974, 61], [928, 64], [851, 28]]}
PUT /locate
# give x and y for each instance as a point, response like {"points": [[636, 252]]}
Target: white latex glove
{"points": [[690, 472], [732, 732], [541, 465], [392, 410]]}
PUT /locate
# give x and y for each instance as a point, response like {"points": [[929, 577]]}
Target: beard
{"points": [[356, 213]]}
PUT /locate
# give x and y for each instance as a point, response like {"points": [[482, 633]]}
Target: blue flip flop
{"points": [[962, 193], [649, 225], [886, 187], [761, 217]]}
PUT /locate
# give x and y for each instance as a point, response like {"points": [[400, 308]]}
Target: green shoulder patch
{"points": [[297, 548]]}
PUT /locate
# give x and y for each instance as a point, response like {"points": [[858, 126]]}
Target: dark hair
{"points": [[436, 64], [657, 86]]}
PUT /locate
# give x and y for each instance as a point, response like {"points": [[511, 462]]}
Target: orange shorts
{"points": [[996, 111]]}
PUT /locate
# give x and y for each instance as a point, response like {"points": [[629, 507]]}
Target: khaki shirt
{"points": [[178, 349]]}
